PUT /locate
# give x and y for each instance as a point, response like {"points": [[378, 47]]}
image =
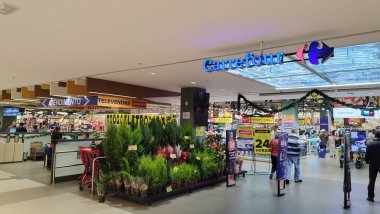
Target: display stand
{"points": [[347, 173], [282, 160]]}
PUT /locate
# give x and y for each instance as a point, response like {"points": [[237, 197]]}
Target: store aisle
{"points": [[321, 192]]}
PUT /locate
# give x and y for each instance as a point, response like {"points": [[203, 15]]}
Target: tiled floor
{"points": [[24, 188]]}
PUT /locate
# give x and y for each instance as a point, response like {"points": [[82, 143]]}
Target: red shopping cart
{"points": [[88, 154]]}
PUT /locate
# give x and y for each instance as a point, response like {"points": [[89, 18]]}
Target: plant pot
{"points": [[119, 184], [143, 191], [100, 190], [127, 187], [174, 186]]}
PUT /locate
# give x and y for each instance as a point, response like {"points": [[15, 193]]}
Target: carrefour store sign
{"points": [[250, 60]]}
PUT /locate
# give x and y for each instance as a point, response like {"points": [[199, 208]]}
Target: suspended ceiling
{"points": [[160, 44]]}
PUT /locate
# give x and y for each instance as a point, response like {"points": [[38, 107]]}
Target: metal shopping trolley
{"points": [[88, 154]]}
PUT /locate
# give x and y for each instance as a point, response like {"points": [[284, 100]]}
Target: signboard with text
{"points": [[262, 139], [94, 101], [262, 120], [230, 157], [282, 163]]}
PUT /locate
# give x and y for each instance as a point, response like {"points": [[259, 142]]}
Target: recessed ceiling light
{"points": [[350, 93], [193, 83], [371, 93], [152, 73]]}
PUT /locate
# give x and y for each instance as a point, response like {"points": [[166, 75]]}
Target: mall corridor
{"points": [[23, 189]]}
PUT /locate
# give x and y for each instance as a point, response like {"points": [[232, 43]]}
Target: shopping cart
{"points": [[88, 154]]}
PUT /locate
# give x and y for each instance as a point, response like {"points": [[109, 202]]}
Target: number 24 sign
{"points": [[262, 138]]}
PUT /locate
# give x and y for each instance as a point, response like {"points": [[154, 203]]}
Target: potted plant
{"points": [[174, 177], [113, 149], [187, 132], [158, 132], [101, 183], [126, 174]]}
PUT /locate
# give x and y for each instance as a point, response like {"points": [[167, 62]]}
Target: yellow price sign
{"points": [[262, 120], [262, 139]]}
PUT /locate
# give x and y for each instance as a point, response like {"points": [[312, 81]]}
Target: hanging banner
{"points": [[262, 120], [221, 120], [70, 101], [94, 101], [288, 121], [262, 138], [245, 138], [230, 157], [117, 119], [121, 102], [245, 132]]}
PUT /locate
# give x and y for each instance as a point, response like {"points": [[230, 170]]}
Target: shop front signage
{"points": [[120, 102], [250, 60], [354, 113], [262, 120], [70, 101], [245, 132], [221, 120], [94, 101], [117, 119], [315, 51]]}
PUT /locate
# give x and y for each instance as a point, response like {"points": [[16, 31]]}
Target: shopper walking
{"points": [[294, 157], [331, 143], [273, 145], [323, 138], [373, 159]]}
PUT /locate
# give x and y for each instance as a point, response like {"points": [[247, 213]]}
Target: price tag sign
{"points": [[169, 189], [262, 139], [132, 147], [192, 146], [173, 156]]}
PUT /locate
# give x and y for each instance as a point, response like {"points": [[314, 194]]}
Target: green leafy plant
{"points": [[112, 147], [133, 159], [208, 164], [147, 140], [188, 133], [157, 132]]}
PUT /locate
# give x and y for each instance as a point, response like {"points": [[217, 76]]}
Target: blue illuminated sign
{"points": [[250, 60]]}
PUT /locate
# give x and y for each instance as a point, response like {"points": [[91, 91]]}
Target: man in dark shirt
{"points": [[373, 159]]}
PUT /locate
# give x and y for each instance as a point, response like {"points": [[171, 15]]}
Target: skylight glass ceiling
{"points": [[350, 65]]}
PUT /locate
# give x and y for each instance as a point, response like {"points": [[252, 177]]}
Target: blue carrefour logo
{"points": [[250, 60]]}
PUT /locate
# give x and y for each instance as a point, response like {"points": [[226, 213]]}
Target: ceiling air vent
{"points": [[6, 9]]}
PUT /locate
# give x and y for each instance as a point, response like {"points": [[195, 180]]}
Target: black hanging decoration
{"points": [[302, 99]]}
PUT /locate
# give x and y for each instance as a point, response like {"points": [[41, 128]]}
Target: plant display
{"points": [[141, 158], [188, 134]]}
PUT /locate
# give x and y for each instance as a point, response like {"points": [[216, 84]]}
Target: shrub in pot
{"points": [[101, 183], [174, 177]]}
